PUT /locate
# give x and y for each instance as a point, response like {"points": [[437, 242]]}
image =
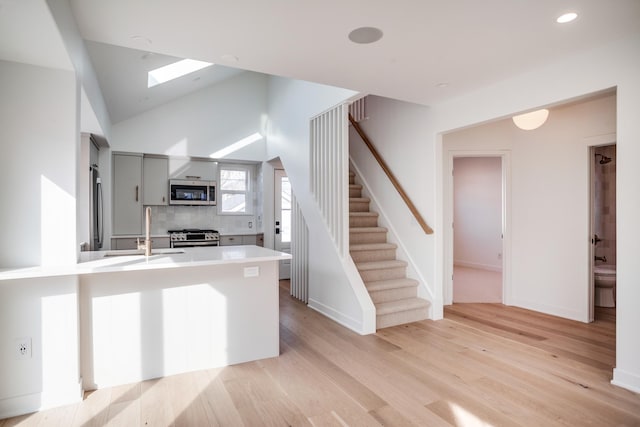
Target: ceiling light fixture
{"points": [[532, 120], [174, 70], [566, 17], [365, 35]]}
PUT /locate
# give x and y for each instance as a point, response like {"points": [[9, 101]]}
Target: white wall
{"points": [[292, 104], [37, 166], [478, 212], [201, 123], [44, 311]]}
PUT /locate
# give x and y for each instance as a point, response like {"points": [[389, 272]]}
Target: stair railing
{"points": [[391, 176]]}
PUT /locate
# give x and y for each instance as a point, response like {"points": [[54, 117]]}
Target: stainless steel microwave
{"points": [[185, 192]]}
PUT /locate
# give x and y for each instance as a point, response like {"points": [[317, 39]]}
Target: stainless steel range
{"points": [[191, 237]]}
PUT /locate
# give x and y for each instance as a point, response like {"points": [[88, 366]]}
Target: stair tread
{"points": [[379, 265], [368, 230], [355, 186], [363, 214], [372, 246], [359, 199], [383, 285], [383, 308]]}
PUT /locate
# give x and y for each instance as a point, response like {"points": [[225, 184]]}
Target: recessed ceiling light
{"points": [[566, 17], [174, 70], [365, 35]]}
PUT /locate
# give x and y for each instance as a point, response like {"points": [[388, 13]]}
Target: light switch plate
{"points": [[252, 271]]}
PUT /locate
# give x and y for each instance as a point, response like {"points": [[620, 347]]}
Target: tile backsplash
{"points": [[165, 218]]}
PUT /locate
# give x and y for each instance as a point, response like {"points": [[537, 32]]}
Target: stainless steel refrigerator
{"points": [[96, 205]]}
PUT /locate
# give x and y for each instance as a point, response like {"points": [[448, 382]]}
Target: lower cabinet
{"points": [[118, 243], [251, 239]]}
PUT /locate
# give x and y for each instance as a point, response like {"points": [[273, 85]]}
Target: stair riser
{"points": [[393, 294], [393, 319], [357, 238], [352, 179], [355, 192], [364, 221], [383, 274], [359, 206], [373, 255]]}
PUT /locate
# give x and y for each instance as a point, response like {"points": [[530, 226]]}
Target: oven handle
{"points": [[191, 244]]}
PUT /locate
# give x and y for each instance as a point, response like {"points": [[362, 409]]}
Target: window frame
{"points": [[248, 192]]}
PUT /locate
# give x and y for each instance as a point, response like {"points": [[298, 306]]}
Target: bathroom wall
{"points": [[605, 204]]}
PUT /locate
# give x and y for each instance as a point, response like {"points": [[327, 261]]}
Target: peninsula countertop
{"points": [[133, 260]]}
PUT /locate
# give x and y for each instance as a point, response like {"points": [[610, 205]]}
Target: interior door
{"points": [[282, 216]]}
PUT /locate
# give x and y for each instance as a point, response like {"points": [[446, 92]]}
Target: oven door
{"points": [[193, 243]]}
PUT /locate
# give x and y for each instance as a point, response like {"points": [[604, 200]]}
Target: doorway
{"points": [[602, 254], [500, 254], [477, 231], [282, 219]]}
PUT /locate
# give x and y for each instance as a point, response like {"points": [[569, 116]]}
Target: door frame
{"points": [[448, 199], [278, 174], [592, 143]]}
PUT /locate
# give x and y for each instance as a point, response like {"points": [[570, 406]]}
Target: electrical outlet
{"points": [[252, 271], [250, 224], [22, 348], [499, 255]]}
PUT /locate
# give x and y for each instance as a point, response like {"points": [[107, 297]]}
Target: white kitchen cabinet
{"points": [[155, 181], [194, 170], [127, 194]]}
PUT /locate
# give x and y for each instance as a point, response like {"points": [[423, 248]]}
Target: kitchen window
{"points": [[235, 190]]}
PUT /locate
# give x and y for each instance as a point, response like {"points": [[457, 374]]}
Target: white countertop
{"points": [[101, 262]]}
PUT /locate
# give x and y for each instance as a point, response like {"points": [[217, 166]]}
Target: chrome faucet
{"points": [[147, 236]]}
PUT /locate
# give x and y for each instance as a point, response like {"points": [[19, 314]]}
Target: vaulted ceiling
{"points": [[431, 50]]}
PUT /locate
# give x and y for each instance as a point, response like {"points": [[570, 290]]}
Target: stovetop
{"points": [[193, 230]]}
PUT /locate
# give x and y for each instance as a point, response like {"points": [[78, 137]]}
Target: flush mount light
{"points": [[566, 17], [141, 39], [532, 120], [365, 35], [175, 70]]}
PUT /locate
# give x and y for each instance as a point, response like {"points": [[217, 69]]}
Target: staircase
{"points": [[393, 294]]}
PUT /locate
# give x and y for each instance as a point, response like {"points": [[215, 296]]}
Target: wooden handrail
{"points": [[392, 178]]}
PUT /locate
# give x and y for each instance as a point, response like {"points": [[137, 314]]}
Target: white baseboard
{"points": [[552, 310], [25, 404], [626, 380], [343, 319], [479, 266]]}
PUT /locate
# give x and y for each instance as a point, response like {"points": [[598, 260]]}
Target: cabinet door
{"points": [[156, 181], [230, 240], [127, 194], [195, 170], [249, 240]]}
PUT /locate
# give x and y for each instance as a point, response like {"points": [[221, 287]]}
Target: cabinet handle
{"points": [[192, 177], [136, 193], [163, 199]]}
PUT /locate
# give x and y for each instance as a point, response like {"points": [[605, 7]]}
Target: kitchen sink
{"points": [[129, 252]]}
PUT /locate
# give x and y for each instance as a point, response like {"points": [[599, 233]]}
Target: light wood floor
{"points": [[483, 365]]}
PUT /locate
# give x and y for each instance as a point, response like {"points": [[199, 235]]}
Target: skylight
{"points": [[175, 70]]}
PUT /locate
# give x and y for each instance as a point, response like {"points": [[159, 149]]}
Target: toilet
{"points": [[605, 284]]}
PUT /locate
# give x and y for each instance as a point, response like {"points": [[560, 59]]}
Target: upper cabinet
{"points": [[194, 170], [156, 181], [127, 194]]}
